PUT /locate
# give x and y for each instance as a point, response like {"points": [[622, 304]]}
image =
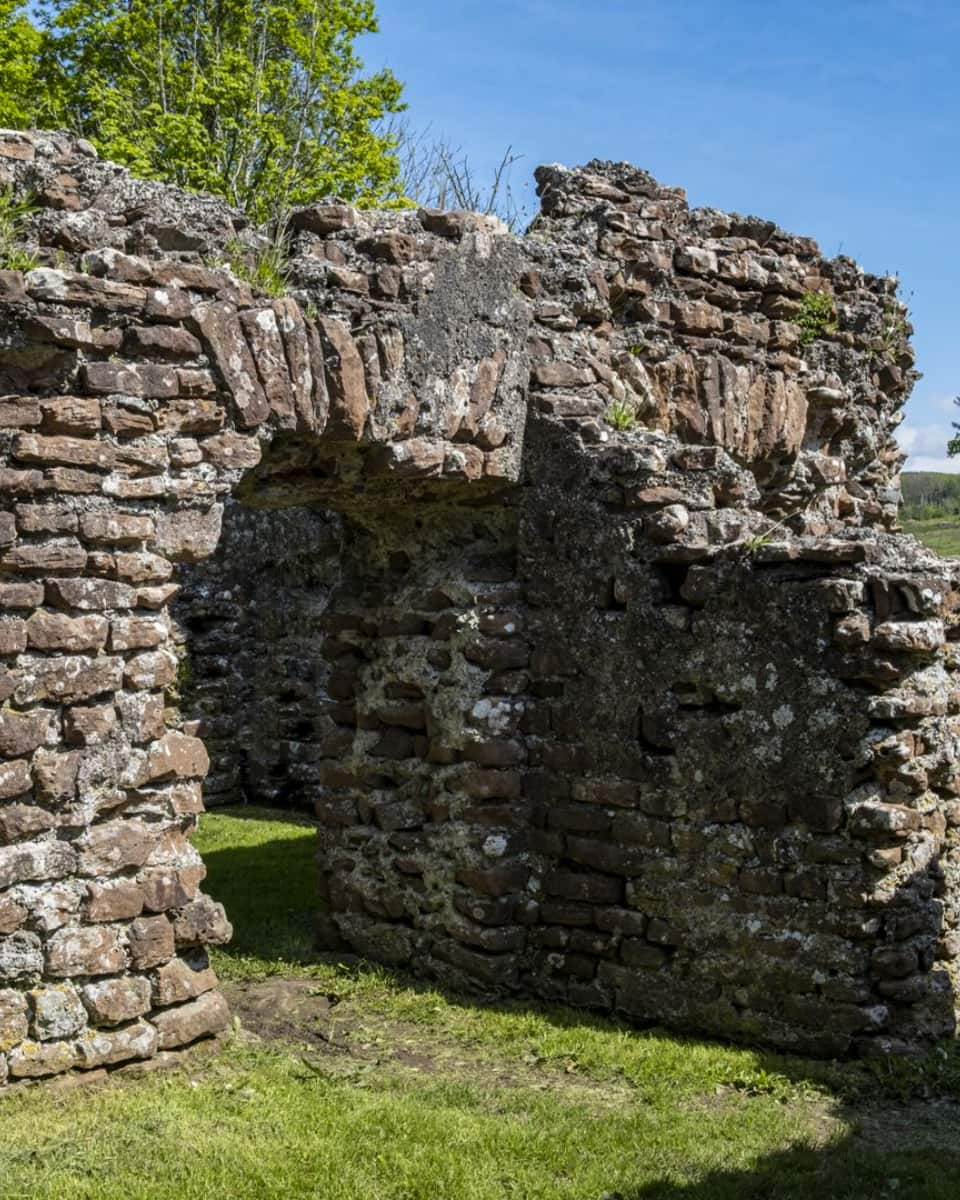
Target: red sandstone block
{"points": [[206, 1015], [202, 921], [21, 595], [46, 518], [20, 482], [33, 1060], [23, 732], [46, 558], [114, 901], [19, 820], [96, 595], [97, 1048], [13, 635], [64, 287], [112, 1001], [70, 481], [19, 412], [47, 630], [89, 726], [114, 528], [127, 422], [55, 775], [151, 942], [180, 980], [163, 341], [142, 566], [32, 862], [116, 845], [63, 451], [68, 678], [74, 415]]}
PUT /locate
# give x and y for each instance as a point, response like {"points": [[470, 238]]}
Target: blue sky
{"points": [[841, 121]]}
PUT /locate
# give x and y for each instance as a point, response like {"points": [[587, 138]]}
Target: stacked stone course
{"points": [[659, 720]]}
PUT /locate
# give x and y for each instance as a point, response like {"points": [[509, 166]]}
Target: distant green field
{"points": [[929, 495], [941, 535]]}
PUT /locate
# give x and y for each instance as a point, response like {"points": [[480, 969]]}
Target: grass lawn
{"points": [[345, 1082], [941, 535]]}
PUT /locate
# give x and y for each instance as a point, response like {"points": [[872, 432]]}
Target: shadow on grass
{"points": [[842, 1171], [268, 886]]}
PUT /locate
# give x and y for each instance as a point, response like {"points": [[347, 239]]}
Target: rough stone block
{"points": [[203, 1017]]}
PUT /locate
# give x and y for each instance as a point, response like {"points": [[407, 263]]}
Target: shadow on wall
{"points": [[269, 887], [903, 1150], [252, 671]]}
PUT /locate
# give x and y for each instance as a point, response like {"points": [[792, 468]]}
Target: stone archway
{"points": [[624, 694]]}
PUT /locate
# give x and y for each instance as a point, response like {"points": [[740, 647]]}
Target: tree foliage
{"points": [[953, 446], [263, 103], [20, 43]]}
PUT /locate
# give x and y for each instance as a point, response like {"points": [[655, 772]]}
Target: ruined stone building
{"points": [[557, 575]]}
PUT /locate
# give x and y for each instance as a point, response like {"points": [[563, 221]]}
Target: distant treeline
{"points": [[928, 495]]}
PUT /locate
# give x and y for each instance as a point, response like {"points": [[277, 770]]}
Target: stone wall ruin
{"points": [[560, 575]]}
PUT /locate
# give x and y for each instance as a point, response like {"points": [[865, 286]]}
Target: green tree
{"points": [[263, 103], [20, 43]]}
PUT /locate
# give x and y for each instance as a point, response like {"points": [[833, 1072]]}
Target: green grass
{"points": [[14, 214], [941, 535], [266, 270], [414, 1094], [260, 865]]}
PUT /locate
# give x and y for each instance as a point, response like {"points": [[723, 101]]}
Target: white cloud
{"points": [[924, 441], [943, 466]]}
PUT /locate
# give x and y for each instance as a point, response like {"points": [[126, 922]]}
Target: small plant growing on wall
{"points": [[266, 269], [895, 327], [621, 415], [817, 316], [14, 214]]}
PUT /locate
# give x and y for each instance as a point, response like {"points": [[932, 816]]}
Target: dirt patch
{"points": [[282, 1010], [340, 1038]]}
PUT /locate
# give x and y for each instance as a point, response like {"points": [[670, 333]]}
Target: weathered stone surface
{"points": [[557, 574], [112, 1001], [14, 1022], [91, 595], [57, 1012], [89, 950], [21, 958], [99, 1048], [67, 678], [115, 845], [30, 861], [173, 756], [15, 779], [90, 725], [151, 942], [32, 1060], [114, 901], [223, 334], [198, 1018], [152, 669], [55, 631], [346, 383], [189, 535], [55, 775], [182, 979], [22, 732], [202, 921]]}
